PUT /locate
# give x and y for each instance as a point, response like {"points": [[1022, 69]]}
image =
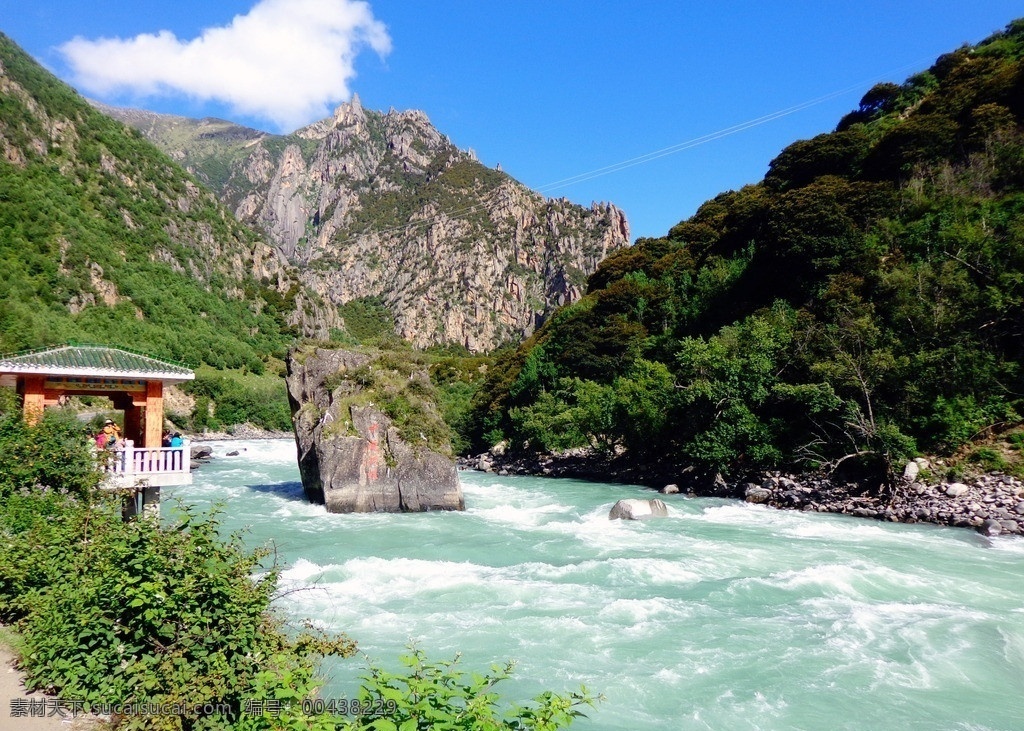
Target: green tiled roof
{"points": [[93, 360]]}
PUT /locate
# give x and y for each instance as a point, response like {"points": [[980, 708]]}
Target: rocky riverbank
{"points": [[239, 431], [992, 504]]}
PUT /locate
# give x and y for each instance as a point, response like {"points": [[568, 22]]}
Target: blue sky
{"points": [[655, 106]]}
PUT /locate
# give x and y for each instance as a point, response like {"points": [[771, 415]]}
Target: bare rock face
{"points": [[351, 457], [459, 253]]}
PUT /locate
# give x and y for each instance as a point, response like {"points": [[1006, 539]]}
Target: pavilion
{"points": [[135, 384]]}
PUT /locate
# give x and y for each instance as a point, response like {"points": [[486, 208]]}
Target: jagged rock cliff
{"points": [[369, 204], [352, 457]]}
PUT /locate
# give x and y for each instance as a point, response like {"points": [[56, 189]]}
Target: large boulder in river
{"points": [[353, 457], [636, 509]]}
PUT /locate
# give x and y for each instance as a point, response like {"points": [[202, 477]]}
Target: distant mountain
{"points": [[864, 301], [105, 238], [381, 208]]}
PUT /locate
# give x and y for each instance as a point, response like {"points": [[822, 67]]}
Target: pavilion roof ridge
{"points": [[91, 359], [76, 344]]}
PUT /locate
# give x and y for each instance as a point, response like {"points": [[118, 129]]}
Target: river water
{"points": [[723, 616]]}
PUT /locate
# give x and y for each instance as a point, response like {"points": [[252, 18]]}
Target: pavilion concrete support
{"points": [[145, 502], [154, 413]]}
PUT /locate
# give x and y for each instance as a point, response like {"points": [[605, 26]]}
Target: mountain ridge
{"points": [[483, 260]]}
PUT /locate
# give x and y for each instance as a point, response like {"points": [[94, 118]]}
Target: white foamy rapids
{"points": [[800, 524], [644, 616], [721, 616], [262, 452], [642, 572], [858, 580], [521, 516], [490, 492], [919, 646], [516, 508], [1009, 545], [378, 582], [1013, 645], [306, 573], [595, 530]]}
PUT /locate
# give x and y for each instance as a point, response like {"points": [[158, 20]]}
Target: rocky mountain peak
{"points": [[350, 114], [377, 205]]}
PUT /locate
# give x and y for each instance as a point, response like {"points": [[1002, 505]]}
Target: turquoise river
{"points": [[723, 616]]}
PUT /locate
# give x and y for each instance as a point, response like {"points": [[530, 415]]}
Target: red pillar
{"points": [[154, 413], [34, 399]]}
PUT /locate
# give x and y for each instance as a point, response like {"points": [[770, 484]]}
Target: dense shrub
{"points": [[54, 454], [399, 385], [433, 695], [115, 611], [367, 319], [224, 399]]}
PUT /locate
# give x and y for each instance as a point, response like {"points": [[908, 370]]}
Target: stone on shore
{"points": [[756, 494], [956, 489], [991, 527]]}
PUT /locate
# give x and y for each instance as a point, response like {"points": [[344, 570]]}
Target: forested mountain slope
{"points": [[104, 238], [865, 299]]}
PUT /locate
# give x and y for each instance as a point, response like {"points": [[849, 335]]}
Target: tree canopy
{"points": [[865, 299]]}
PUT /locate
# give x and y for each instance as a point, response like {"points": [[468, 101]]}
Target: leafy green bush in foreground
{"points": [[114, 612], [53, 454], [438, 695]]}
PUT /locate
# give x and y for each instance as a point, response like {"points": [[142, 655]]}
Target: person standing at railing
{"points": [[177, 458], [106, 441], [118, 445], [100, 444], [112, 430]]}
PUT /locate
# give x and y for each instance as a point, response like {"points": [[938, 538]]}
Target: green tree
{"points": [[725, 381], [644, 406]]}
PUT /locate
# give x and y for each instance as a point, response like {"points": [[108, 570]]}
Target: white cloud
{"points": [[287, 61]]}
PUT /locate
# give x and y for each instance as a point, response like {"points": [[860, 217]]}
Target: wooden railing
{"points": [[132, 461]]}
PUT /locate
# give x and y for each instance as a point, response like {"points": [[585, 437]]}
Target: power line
{"points": [[663, 152], [719, 134]]}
